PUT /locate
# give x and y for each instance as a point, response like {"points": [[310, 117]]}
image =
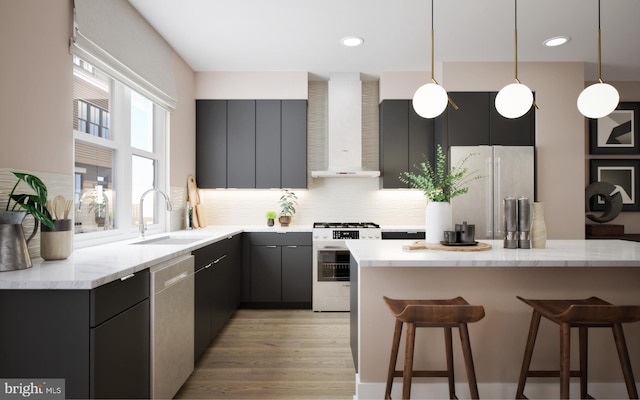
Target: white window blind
{"points": [[114, 37]]}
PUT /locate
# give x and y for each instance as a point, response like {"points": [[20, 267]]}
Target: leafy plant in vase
{"points": [[287, 209], [439, 186], [15, 254]]}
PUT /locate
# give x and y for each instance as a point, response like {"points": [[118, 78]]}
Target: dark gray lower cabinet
{"points": [[279, 270], [218, 281], [97, 340], [120, 355]]}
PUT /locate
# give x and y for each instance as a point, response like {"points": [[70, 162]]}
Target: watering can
{"points": [[14, 253]]}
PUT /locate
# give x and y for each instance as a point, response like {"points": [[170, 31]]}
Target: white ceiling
{"points": [[304, 35]]}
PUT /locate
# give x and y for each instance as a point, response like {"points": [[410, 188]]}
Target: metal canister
{"points": [[524, 223], [510, 223]]}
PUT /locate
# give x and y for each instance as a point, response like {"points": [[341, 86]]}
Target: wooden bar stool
{"points": [[445, 314], [582, 314]]}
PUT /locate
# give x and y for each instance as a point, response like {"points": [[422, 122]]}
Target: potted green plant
{"points": [[15, 254], [439, 186], [35, 203], [271, 216], [287, 209]]}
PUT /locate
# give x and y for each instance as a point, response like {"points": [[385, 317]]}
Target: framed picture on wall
{"points": [[618, 132], [623, 174]]}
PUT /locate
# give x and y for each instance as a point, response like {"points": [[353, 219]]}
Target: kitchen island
{"points": [[609, 269]]}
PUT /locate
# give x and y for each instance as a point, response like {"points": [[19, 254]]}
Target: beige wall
{"points": [[36, 82], [182, 142], [252, 85], [560, 139], [36, 86]]}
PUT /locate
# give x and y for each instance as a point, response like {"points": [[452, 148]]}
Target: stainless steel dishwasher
{"points": [[172, 289]]}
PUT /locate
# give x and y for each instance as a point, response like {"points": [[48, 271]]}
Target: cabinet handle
{"points": [[271, 247], [175, 279], [217, 260], [124, 278], [281, 233], [208, 265], [292, 247]]}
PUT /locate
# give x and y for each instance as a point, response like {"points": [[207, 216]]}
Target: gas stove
{"points": [[341, 225], [323, 231]]}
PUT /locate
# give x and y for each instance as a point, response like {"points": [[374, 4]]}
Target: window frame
{"points": [[119, 141]]}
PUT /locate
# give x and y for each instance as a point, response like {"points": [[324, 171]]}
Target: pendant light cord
{"points": [[433, 79], [515, 39], [599, 47]]}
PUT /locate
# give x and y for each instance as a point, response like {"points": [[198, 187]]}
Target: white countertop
{"points": [[558, 253], [91, 267]]}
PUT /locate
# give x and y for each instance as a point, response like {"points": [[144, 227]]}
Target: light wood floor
{"points": [[276, 354]]}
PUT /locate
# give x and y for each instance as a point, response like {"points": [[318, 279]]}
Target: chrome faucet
{"points": [[141, 224]]}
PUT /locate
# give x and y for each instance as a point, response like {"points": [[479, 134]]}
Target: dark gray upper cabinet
{"points": [[251, 143], [469, 124], [511, 132], [241, 144], [477, 122], [268, 148], [211, 143], [406, 139], [294, 144]]}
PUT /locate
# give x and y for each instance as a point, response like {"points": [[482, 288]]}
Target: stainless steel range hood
{"points": [[344, 143]]}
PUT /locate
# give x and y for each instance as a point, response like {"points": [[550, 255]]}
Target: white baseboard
{"points": [[421, 389]]}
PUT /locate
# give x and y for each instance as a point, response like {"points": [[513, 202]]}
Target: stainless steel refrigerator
{"points": [[507, 171]]}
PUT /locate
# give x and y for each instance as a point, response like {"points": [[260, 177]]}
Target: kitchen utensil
{"points": [[450, 237], [465, 232], [59, 206], [197, 213], [422, 245], [67, 208]]}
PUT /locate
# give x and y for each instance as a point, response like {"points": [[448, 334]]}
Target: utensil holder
{"points": [[57, 244]]}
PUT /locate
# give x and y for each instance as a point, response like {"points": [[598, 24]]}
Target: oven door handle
{"points": [[332, 248]]}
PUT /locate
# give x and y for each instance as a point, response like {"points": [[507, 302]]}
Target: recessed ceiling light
{"points": [[556, 41], [351, 41]]}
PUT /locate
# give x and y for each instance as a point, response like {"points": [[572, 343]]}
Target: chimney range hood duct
{"points": [[344, 147]]}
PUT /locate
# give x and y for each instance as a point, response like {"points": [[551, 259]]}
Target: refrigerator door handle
{"points": [[488, 215], [499, 224]]}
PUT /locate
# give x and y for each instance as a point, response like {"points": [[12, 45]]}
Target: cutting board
{"points": [[422, 245], [198, 218]]}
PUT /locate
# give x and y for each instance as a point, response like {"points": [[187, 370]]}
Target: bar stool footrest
{"points": [[423, 374], [551, 374]]}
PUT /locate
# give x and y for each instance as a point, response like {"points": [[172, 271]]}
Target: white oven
{"points": [[331, 258]]}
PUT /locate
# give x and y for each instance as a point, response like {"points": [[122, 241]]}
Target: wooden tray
{"points": [[422, 245]]}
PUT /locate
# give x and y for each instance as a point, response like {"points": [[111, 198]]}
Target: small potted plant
{"points": [[287, 209], [271, 216]]}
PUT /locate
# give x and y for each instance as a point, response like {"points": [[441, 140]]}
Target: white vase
{"points": [[538, 226], [438, 220]]}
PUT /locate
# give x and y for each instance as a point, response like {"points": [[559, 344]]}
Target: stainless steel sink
{"points": [[176, 240]]}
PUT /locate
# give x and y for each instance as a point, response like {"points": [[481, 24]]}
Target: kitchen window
{"points": [[119, 154]]}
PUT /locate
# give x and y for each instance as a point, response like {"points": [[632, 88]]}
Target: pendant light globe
{"points": [[430, 100], [514, 100], [598, 100]]}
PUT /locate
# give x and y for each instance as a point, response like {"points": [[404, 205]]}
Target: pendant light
{"points": [[599, 99], [515, 99], [430, 100]]}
